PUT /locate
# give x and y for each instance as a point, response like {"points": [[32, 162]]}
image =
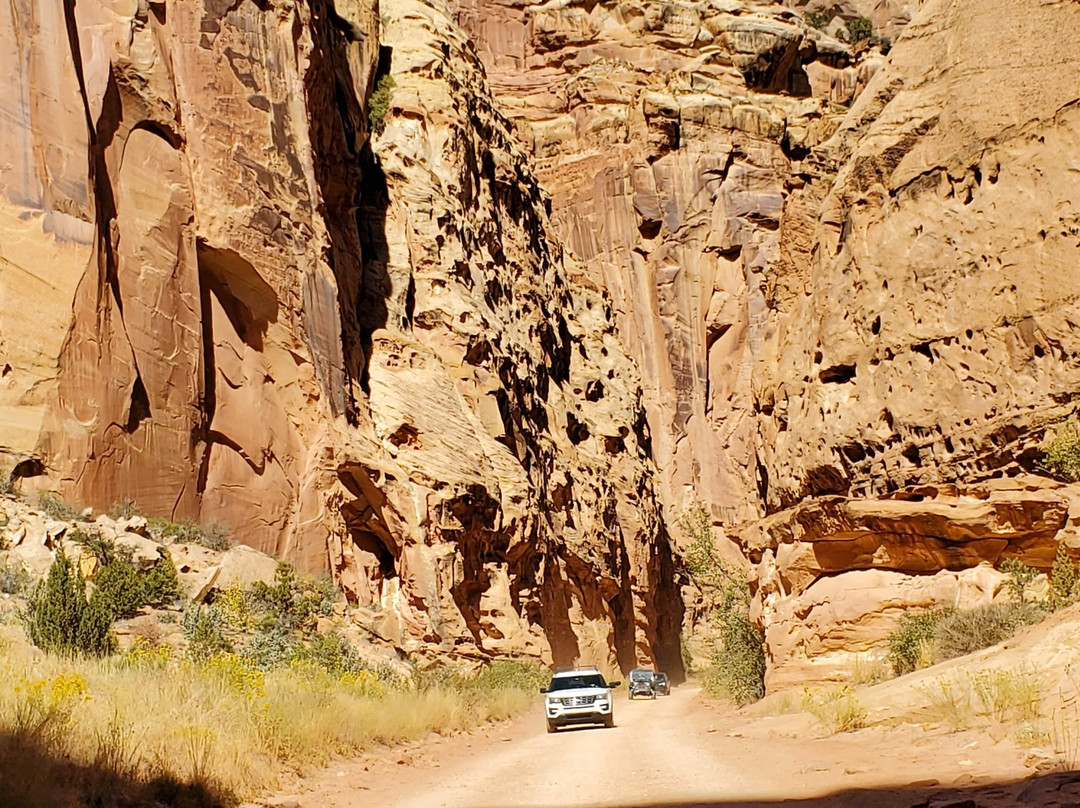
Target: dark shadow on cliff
{"points": [[1058, 790], [355, 200], [33, 777]]}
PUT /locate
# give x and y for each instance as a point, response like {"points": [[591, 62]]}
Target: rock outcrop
{"points": [[218, 300]]}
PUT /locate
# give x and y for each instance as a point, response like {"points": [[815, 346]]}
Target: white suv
{"points": [[578, 696]]}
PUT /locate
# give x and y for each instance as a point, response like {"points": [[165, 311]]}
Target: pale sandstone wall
{"points": [[214, 302], [933, 334], [854, 315], [667, 135]]}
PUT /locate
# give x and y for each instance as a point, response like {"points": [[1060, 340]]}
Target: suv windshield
{"points": [[640, 676], [572, 682]]}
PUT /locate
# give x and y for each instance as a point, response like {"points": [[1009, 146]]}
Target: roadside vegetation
{"points": [[737, 659], [211, 703], [220, 729], [930, 637]]}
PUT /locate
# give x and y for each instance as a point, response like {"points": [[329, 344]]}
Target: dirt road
{"points": [[677, 752], [647, 754]]}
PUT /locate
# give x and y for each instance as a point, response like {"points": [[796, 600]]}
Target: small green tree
{"points": [[860, 29], [1021, 576], [118, 592], [818, 19], [59, 619], [1061, 450], [379, 103], [161, 583], [738, 661], [204, 630], [1064, 580]]}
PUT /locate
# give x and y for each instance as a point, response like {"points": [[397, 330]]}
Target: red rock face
{"points": [[222, 303]]}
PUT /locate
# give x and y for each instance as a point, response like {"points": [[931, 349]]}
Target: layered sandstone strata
{"points": [[220, 302]]}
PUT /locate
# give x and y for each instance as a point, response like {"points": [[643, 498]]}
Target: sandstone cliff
{"points": [[926, 334], [220, 301], [828, 305]]}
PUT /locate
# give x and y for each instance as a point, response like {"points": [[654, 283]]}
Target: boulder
{"points": [[242, 566]]}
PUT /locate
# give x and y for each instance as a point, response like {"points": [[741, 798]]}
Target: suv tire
{"points": [[609, 721], [551, 727]]}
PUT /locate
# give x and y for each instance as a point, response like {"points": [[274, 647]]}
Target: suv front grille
{"points": [[578, 701]]}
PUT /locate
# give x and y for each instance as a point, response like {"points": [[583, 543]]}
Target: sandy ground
{"points": [[681, 751]]}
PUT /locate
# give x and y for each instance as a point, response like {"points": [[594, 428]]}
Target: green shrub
{"points": [[53, 505], [511, 674], [818, 19], [379, 103], [738, 659], [912, 641], [966, 631], [59, 619], [1064, 580], [213, 535], [292, 602], [204, 630], [333, 653], [161, 583], [14, 580], [91, 540], [739, 662], [270, 649], [118, 592], [1061, 450], [7, 483], [860, 29]]}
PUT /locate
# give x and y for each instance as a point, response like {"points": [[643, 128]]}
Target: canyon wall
{"points": [[599, 261], [219, 299], [931, 337], [666, 133], [848, 279]]}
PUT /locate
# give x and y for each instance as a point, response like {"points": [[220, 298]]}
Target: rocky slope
{"points": [[220, 302]]}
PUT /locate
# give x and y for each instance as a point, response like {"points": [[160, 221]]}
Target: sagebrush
{"points": [[935, 636]]}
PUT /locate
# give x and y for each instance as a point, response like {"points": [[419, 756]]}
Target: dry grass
{"points": [[949, 702], [837, 710], [999, 695], [871, 669], [223, 726]]}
